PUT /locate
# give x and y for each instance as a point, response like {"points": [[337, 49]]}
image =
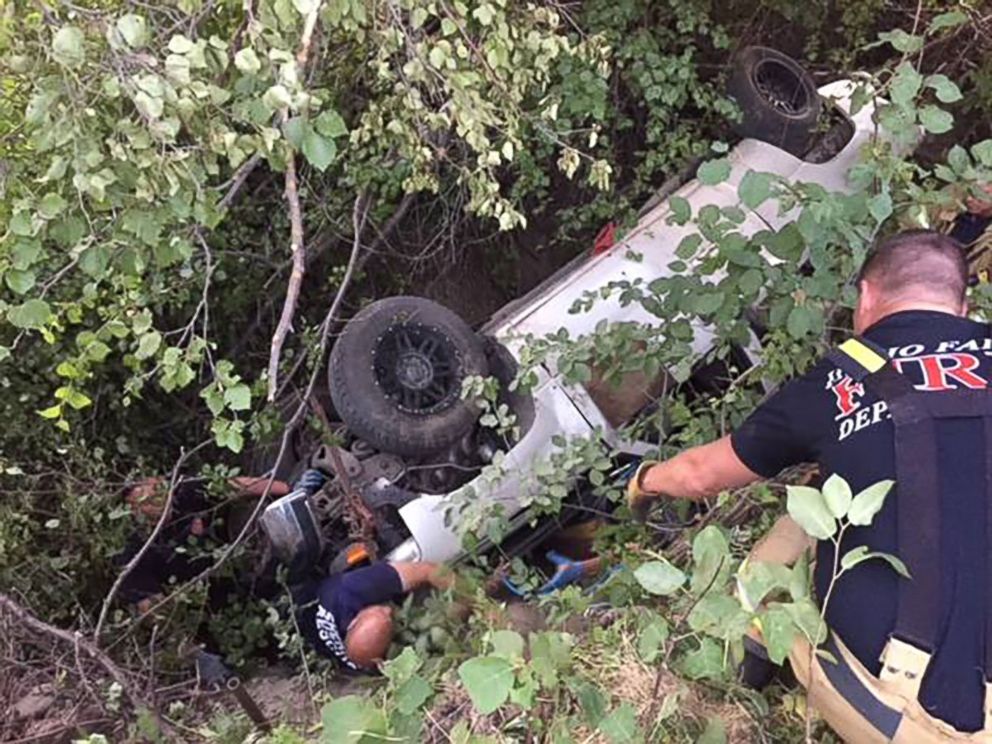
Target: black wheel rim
{"points": [[781, 87], [418, 368]]}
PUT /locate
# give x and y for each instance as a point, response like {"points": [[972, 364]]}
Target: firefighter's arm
{"points": [[695, 474]]}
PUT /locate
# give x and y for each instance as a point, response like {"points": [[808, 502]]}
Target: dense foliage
{"points": [[148, 156]]}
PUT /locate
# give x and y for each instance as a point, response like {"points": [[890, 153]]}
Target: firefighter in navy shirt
{"points": [[348, 616], [911, 309]]}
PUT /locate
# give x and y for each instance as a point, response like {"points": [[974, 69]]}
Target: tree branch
{"points": [[298, 250], [297, 245]]}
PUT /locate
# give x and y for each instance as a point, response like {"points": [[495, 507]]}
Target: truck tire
{"points": [[777, 97], [396, 376]]}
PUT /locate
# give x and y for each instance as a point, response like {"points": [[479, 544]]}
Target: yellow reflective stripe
{"points": [[863, 355]]}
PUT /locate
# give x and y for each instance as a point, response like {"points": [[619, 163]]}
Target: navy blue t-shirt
{"points": [[335, 601], [822, 417]]}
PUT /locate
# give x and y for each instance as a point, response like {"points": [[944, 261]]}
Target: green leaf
{"points": [[714, 733], [651, 637], [488, 680], [20, 282], [983, 152], [861, 97], [148, 105], [806, 616], [707, 303], [277, 97], [620, 727], [483, 14], [713, 172], [902, 41], [837, 493], [148, 344], [52, 412], [868, 502], [688, 246], [750, 282], [861, 554], [294, 130], [319, 151], [31, 314], [591, 700], [710, 556], [906, 84], [330, 124], [352, 720], [950, 19], [680, 208], [25, 253], [238, 398], [67, 46], [133, 30], [799, 322], [181, 44], [508, 643], [94, 260], [755, 188], [412, 694], [659, 577], [705, 662], [51, 205], [77, 399], [757, 579], [550, 653], [779, 633], [945, 89], [247, 61], [808, 507], [720, 616], [880, 206], [935, 120], [304, 7]]}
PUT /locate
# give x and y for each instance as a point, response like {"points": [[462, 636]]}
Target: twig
{"points": [[159, 526]]}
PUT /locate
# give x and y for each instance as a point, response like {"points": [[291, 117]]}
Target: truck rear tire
{"points": [[777, 97], [396, 376]]}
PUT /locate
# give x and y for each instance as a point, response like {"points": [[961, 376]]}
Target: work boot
{"points": [[756, 671]]}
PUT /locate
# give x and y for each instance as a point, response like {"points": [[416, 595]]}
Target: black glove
{"points": [[311, 481]]}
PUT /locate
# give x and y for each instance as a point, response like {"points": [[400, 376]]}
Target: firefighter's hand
{"points": [[638, 500]]}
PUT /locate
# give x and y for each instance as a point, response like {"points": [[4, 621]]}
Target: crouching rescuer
{"points": [[343, 610], [906, 399]]}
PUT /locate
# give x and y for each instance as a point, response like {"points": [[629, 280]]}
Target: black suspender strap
{"points": [[917, 506], [988, 541]]}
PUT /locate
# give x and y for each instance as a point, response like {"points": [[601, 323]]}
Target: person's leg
{"points": [[783, 545]]}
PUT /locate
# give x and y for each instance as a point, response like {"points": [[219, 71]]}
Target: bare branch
{"points": [[297, 245], [238, 180], [298, 249]]}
